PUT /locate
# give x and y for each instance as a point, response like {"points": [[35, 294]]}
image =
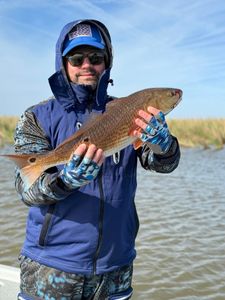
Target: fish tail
{"points": [[29, 167]]}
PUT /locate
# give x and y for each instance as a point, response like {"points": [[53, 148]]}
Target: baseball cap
{"points": [[83, 34]]}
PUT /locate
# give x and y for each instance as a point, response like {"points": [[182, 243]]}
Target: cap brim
{"points": [[81, 42]]}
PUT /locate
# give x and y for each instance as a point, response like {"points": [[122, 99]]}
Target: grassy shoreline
{"points": [[204, 133], [7, 128]]}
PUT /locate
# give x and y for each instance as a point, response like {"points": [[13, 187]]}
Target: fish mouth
{"points": [[179, 93]]}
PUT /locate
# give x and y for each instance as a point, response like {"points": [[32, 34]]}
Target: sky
{"points": [[166, 43]]}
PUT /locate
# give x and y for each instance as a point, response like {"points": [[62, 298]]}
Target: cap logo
{"points": [[80, 30]]}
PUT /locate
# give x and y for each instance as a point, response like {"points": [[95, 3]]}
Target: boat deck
{"points": [[9, 282]]}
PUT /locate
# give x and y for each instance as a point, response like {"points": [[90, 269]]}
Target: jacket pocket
{"points": [[45, 226]]}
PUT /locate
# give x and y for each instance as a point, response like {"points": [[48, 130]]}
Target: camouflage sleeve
{"points": [[160, 163], [48, 188]]}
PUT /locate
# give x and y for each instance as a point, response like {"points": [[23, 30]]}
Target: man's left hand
{"points": [[154, 129]]}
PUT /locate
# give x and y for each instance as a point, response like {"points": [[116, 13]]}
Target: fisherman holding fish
{"points": [[82, 221]]}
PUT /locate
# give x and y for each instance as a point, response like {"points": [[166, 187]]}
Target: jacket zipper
{"points": [[100, 222], [46, 224]]}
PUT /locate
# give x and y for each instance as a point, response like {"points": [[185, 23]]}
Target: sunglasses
{"points": [[95, 58]]}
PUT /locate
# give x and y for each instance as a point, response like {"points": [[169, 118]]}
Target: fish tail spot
{"points": [[32, 160], [86, 139]]}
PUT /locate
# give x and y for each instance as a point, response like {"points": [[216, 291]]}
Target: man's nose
{"points": [[86, 62]]}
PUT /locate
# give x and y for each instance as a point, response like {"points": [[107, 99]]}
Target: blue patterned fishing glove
{"points": [[79, 171], [157, 133]]}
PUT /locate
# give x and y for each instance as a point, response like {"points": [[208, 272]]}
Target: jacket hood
{"points": [[70, 95]]}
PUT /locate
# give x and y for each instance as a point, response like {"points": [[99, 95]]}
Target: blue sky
{"points": [[166, 43]]}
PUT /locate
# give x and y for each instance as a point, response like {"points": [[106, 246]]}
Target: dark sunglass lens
{"points": [[96, 58], [77, 59]]}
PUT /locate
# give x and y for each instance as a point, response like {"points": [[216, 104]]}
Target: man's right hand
{"points": [[83, 166]]}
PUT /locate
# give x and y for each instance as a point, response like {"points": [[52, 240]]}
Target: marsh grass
{"points": [[190, 132], [204, 133], [7, 128]]}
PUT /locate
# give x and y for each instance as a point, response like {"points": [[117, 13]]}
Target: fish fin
{"points": [[30, 170], [30, 174], [21, 160], [114, 103], [137, 144]]}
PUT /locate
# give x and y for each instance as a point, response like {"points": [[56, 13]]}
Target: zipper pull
{"points": [[116, 158]]}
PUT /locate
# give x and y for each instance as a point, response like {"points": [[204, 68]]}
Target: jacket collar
{"points": [[72, 96]]}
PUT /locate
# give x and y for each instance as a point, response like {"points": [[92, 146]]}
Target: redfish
{"points": [[111, 131]]}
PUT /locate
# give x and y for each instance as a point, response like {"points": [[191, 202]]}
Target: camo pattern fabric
{"points": [[79, 171], [157, 133], [42, 282]]}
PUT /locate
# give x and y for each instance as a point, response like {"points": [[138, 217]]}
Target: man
{"points": [[82, 221]]}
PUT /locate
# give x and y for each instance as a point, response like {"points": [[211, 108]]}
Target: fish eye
{"points": [[176, 93]]}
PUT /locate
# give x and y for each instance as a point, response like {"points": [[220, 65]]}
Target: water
{"points": [[181, 241]]}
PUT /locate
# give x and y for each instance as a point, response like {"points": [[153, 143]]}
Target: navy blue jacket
{"points": [[91, 229]]}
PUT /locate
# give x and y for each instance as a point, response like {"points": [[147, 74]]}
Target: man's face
{"points": [[82, 69]]}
